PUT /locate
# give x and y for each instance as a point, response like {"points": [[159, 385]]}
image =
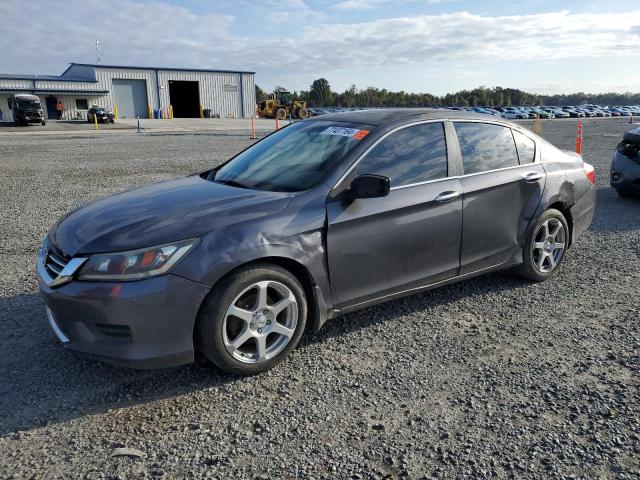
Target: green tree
{"points": [[260, 94], [320, 92]]}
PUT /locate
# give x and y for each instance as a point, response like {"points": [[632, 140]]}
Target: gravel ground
{"points": [[492, 377]]}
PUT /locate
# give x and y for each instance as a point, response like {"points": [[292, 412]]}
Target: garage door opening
{"points": [[185, 98], [131, 97]]}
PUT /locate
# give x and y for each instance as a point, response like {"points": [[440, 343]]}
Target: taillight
{"points": [[590, 172]]}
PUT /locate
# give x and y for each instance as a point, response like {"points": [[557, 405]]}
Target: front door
{"points": [[501, 193], [51, 107], [411, 237]]}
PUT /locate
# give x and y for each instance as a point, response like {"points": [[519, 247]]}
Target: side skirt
{"points": [[403, 293]]}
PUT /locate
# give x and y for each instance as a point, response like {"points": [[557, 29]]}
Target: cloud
{"points": [[354, 5], [163, 34]]}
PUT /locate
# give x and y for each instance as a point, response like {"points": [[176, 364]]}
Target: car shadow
{"points": [[615, 213], [42, 383]]}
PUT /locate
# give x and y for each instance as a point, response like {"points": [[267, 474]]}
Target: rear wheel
{"points": [[545, 246], [281, 114], [303, 113], [252, 320]]}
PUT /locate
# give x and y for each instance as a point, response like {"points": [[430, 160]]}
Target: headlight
{"points": [[136, 264]]}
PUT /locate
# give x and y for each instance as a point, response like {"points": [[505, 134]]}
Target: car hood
{"points": [[160, 213]]}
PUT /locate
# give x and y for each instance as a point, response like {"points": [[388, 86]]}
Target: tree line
{"points": [[321, 95]]}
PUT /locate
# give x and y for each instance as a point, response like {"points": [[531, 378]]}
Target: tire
{"points": [[303, 113], [542, 256], [44, 123], [217, 328], [281, 114]]}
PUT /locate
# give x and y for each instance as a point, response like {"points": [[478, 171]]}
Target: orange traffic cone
{"points": [[579, 139]]}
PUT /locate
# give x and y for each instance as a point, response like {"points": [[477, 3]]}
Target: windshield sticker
{"points": [[346, 132]]}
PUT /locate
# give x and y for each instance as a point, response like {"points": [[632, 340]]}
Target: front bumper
{"points": [[32, 119], [625, 174], [142, 324]]}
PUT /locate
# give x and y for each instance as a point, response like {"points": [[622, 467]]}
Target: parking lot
{"points": [[491, 377]]}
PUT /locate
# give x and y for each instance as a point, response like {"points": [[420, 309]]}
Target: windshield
{"points": [[28, 105], [293, 159]]}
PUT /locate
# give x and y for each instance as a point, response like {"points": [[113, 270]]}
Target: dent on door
{"points": [[498, 207]]}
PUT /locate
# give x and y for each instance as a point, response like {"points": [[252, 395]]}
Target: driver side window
{"points": [[412, 155]]}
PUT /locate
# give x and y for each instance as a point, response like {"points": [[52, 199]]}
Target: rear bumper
{"points": [[143, 324], [625, 174], [582, 213]]}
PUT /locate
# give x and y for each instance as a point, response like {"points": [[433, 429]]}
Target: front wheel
{"points": [[252, 319], [545, 246]]}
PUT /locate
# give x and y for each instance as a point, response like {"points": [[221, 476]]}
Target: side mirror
{"points": [[369, 186]]}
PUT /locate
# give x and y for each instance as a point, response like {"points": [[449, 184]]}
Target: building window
{"points": [[82, 104]]}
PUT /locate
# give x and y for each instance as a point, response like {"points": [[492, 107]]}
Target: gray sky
{"points": [[434, 46]]}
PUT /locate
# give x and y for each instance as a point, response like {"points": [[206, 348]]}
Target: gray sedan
{"points": [[320, 218]]}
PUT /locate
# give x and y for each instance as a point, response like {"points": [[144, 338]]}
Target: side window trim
{"points": [[462, 174], [535, 146]]}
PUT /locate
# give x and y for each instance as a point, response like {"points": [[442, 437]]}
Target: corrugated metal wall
{"points": [[19, 84], [220, 92]]}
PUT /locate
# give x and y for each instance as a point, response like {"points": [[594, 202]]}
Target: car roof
{"points": [[392, 115]]}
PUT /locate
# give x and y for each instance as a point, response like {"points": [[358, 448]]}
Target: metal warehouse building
{"points": [[136, 91]]}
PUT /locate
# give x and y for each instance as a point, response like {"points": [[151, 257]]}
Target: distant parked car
{"points": [[625, 168], [542, 113], [557, 113], [511, 113], [574, 113], [102, 114]]}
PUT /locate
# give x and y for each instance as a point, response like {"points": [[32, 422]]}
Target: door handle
{"points": [[533, 177], [447, 196]]}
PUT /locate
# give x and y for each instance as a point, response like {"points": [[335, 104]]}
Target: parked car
{"points": [[511, 113], [625, 168], [573, 112], [542, 113], [325, 216], [101, 114], [27, 109]]}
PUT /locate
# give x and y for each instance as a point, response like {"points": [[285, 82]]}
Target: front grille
{"points": [[56, 260]]}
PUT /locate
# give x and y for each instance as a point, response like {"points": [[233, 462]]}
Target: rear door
{"points": [[502, 188], [411, 237]]}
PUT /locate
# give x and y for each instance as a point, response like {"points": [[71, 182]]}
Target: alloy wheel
{"points": [[260, 322], [549, 245]]}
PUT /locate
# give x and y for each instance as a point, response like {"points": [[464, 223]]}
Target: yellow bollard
{"points": [[537, 125], [116, 113], [170, 111], [201, 111], [149, 113], [95, 119]]}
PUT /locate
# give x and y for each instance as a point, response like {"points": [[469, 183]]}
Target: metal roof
{"points": [[389, 115], [54, 90], [51, 78], [174, 69]]}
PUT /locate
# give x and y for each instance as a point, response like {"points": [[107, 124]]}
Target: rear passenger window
{"points": [[526, 147], [485, 147], [411, 155]]}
